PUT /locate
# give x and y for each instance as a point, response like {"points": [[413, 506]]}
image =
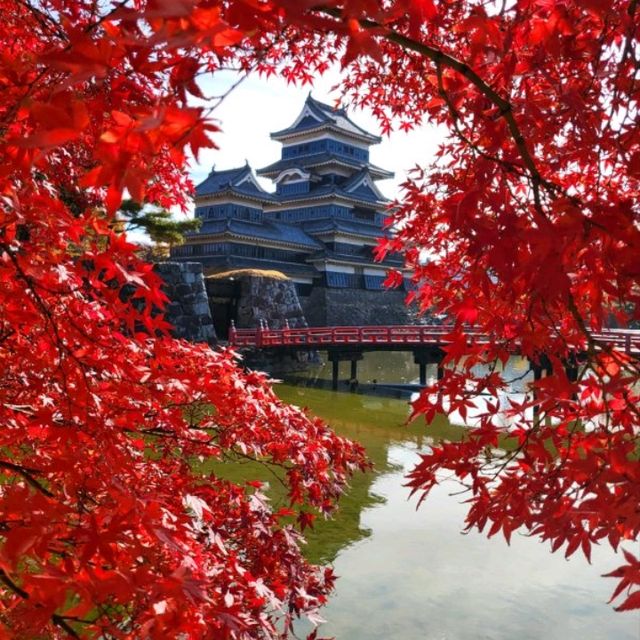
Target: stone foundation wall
{"points": [[188, 310], [348, 307], [252, 299], [263, 299]]}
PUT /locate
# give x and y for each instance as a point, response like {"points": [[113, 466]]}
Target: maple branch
{"points": [[8, 582], [106, 16], [505, 109], [61, 621], [456, 118], [44, 18], [267, 464], [27, 474], [58, 620], [48, 315], [34, 83]]}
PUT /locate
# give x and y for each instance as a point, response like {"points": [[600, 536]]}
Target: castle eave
{"points": [[335, 195], [236, 193], [292, 134], [323, 159], [222, 236]]}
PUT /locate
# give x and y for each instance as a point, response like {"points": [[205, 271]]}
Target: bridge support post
{"points": [[336, 356], [537, 376], [425, 356], [542, 365], [572, 367]]}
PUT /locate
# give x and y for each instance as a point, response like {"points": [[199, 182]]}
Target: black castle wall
{"points": [[350, 307]]}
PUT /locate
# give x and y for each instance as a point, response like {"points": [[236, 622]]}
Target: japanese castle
{"points": [[320, 225]]}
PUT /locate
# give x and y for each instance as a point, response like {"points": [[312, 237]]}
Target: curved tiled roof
{"points": [[324, 115], [357, 185], [367, 198], [336, 225], [240, 262], [265, 230], [336, 256], [239, 181], [317, 159]]}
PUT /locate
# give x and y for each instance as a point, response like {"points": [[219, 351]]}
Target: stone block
{"points": [[201, 308], [173, 309], [168, 268], [181, 291]]}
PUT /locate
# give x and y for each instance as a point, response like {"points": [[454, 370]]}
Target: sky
{"points": [[258, 106]]}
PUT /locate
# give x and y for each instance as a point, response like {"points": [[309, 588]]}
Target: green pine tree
{"points": [[159, 224]]}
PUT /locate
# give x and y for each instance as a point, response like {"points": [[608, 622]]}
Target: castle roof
{"points": [[362, 184], [266, 230], [363, 197], [321, 159], [292, 269], [316, 115], [239, 181], [329, 255], [327, 226]]}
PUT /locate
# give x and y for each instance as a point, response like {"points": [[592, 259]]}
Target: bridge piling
{"points": [[336, 356], [334, 377], [539, 367], [425, 356]]}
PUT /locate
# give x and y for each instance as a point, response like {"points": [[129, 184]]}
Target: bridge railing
{"points": [[620, 339], [627, 340], [322, 336]]}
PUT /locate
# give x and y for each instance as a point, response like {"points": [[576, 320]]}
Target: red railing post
{"points": [[232, 333], [259, 333], [285, 332]]}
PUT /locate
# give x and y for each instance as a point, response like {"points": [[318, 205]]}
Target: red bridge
{"points": [[392, 336], [426, 342]]}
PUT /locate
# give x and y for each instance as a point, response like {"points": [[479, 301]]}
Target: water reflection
{"points": [[375, 422], [416, 577], [411, 575]]}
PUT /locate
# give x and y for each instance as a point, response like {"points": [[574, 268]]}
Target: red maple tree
{"points": [[525, 230], [111, 525]]}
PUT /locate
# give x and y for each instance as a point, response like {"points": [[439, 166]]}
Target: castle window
{"points": [[374, 282], [349, 249], [337, 280], [364, 214]]}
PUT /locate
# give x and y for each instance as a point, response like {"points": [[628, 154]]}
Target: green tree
{"points": [[158, 223]]}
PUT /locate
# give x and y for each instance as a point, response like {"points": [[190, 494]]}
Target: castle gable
{"points": [[318, 115], [363, 186]]}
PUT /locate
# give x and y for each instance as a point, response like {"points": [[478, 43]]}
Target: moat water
{"points": [[410, 574]]}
